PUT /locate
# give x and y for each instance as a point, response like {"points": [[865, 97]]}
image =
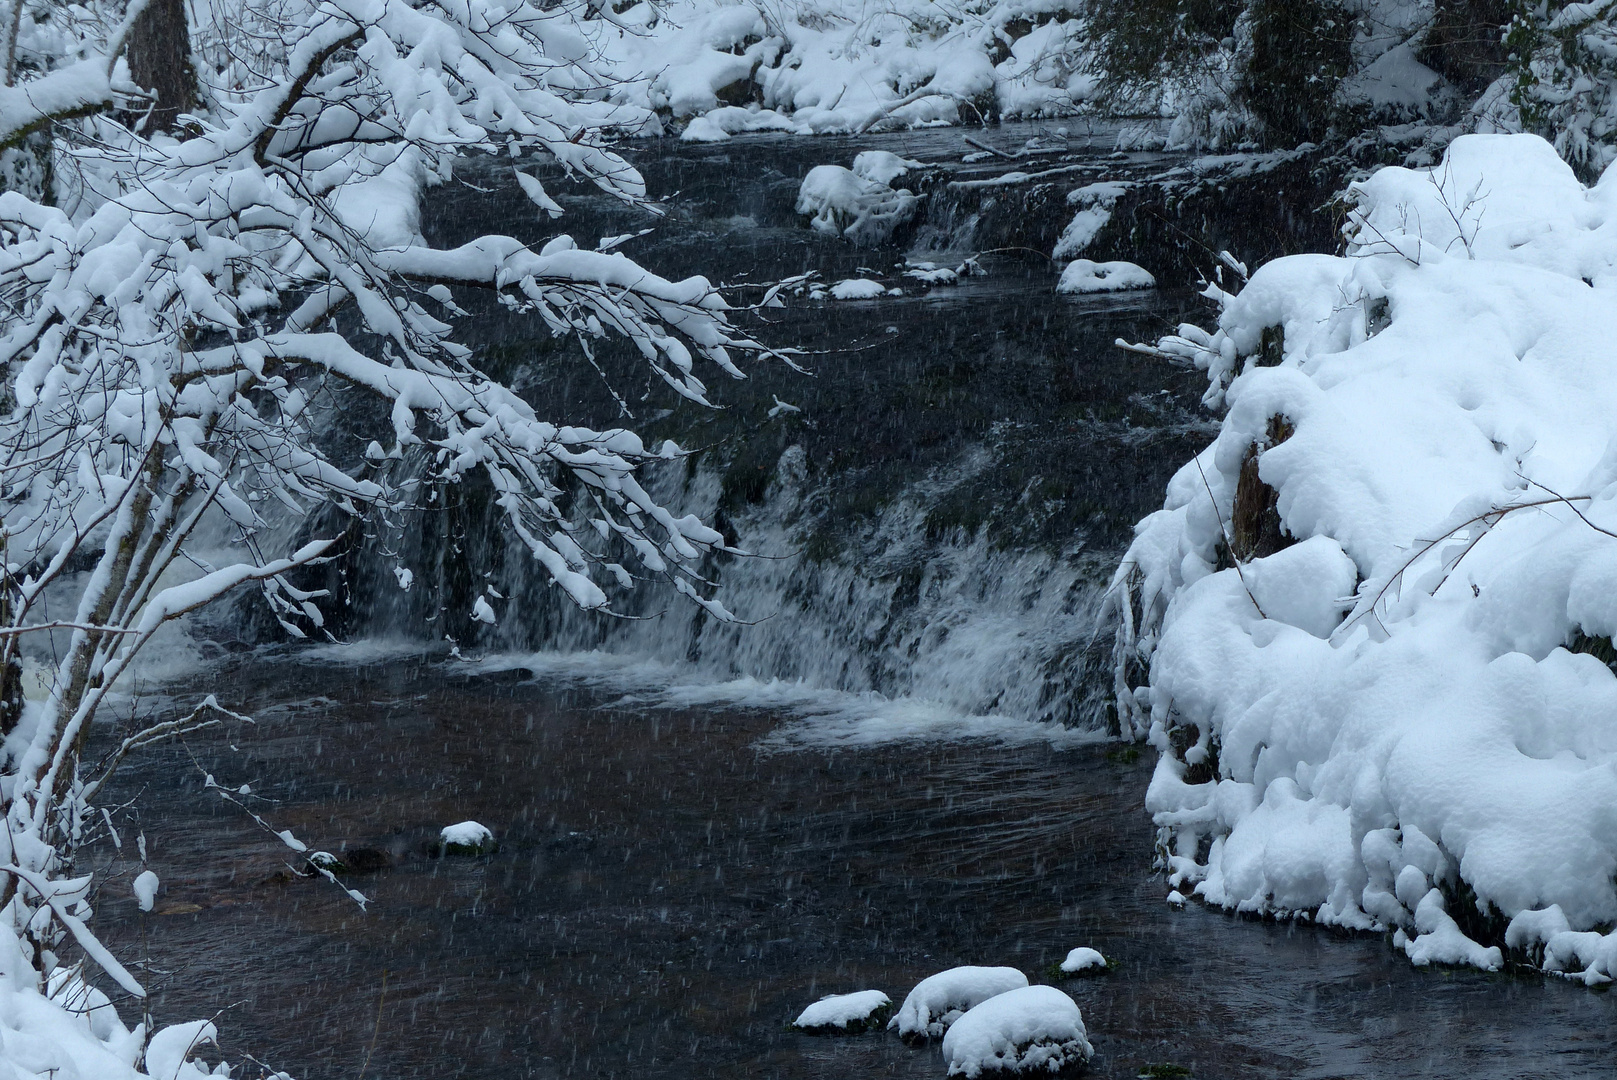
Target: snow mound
{"points": [[840, 202], [1032, 1029], [845, 1014], [1084, 276], [1083, 959], [882, 166], [722, 123], [857, 289], [938, 1000], [466, 838], [1430, 424]]}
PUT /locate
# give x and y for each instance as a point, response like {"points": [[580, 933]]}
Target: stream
{"points": [[900, 762]]}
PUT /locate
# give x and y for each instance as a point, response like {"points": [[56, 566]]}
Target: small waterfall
{"points": [[938, 520], [941, 615]]}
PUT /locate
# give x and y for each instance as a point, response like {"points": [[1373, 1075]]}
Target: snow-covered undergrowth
{"points": [[67, 1030], [842, 66], [1395, 708]]}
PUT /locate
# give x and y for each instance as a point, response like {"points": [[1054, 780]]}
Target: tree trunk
{"points": [[160, 60]]}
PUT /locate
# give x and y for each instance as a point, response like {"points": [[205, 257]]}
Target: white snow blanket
{"points": [[939, 1000], [1034, 1029], [1385, 726], [841, 1010]]}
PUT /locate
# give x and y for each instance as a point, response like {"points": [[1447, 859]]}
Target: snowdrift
{"points": [[1370, 630]]}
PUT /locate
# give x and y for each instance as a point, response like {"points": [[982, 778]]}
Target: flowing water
{"points": [[902, 765]]}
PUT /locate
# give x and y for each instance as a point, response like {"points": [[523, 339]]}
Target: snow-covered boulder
{"points": [[857, 289], [1085, 276], [466, 838], [1083, 960], [840, 202], [938, 1000], [846, 1014], [1032, 1029]]}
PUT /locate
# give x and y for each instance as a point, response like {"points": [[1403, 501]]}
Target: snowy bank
{"points": [[63, 1029], [1370, 630], [840, 66]]}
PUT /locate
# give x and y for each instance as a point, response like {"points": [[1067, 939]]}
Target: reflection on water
{"points": [[666, 897]]}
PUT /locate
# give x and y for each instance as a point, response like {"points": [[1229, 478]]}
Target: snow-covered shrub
{"points": [[1562, 81], [1037, 1030], [841, 202], [1398, 717], [939, 1000]]}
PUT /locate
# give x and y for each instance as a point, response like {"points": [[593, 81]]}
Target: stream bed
{"points": [[901, 763]]}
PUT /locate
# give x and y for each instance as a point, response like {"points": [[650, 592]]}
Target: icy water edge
{"points": [[679, 874]]}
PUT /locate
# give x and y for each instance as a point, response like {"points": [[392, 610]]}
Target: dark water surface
{"points": [[666, 897]]}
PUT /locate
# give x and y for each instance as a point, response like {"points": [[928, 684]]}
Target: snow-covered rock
{"points": [[846, 1014], [857, 289], [1033, 1029], [466, 838], [1085, 276], [1447, 480], [938, 1000], [1083, 959]]}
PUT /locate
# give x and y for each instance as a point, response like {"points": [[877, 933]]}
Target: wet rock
{"points": [[367, 860]]}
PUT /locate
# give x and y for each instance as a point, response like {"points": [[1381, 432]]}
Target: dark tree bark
{"points": [[160, 60]]}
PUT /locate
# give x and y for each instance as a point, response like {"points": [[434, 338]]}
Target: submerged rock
{"points": [[939, 1000], [846, 1014], [1033, 1029]]}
